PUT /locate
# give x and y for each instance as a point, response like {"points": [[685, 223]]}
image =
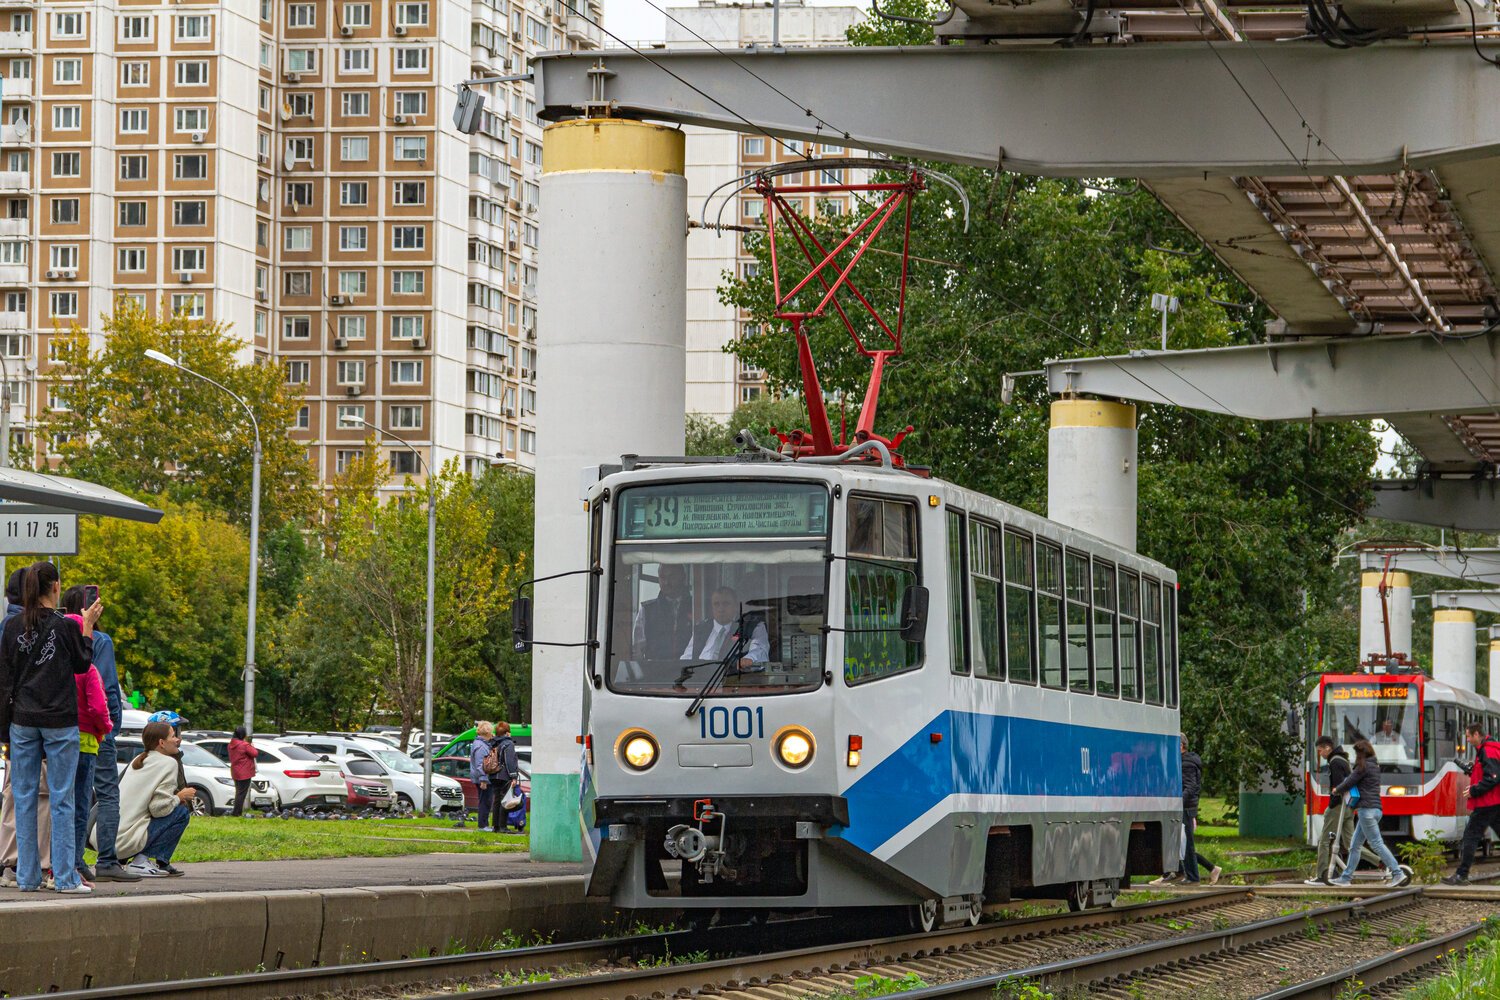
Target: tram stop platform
{"points": [[225, 917]]}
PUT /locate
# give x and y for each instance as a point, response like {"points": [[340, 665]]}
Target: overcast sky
{"points": [[638, 21]]}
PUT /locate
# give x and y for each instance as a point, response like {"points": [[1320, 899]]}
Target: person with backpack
{"points": [[1339, 819], [1363, 788], [1483, 793], [479, 753], [503, 770]]}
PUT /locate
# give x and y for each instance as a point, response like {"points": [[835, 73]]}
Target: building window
{"points": [[303, 104], [407, 282], [13, 252], [192, 73], [404, 463], [133, 168], [353, 237], [67, 25], [265, 99], [303, 420], [298, 372], [190, 166], [132, 259], [411, 15], [350, 414], [411, 102], [406, 418], [352, 327], [190, 213], [408, 237], [301, 60], [135, 74], [351, 373], [65, 256], [65, 211], [301, 15], [191, 119], [296, 328], [299, 193], [135, 29], [344, 459], [298, 239], [263, 234], [354, 193], [754, 145], [409, 192], [296, 284], [407, 327], [528, 441], [188, 259], [67, 118], [66, 165], [194, 27], [356, 15], [132, 213], [411, 59], [64, 304], [411, 147], [357, 104], [406, 372], [301, 148], [191, 305], [534, 153], [354, 147], [356, 60], [352, 282], [265, 55], [67, 71], [134, 121]]}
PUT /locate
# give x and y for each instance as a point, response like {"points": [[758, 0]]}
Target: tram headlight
{"points": [[638, 749], [794, 746]]}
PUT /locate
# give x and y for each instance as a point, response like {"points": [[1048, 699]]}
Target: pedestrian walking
{"points": [[503, 770], [1483, 793], [1363, 785], [1192, 788], [154, 811], [1339, 819], [484, 739], [40, 651], [241, 767]]}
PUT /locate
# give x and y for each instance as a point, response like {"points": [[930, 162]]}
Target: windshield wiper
{"points": [[736, 650]]}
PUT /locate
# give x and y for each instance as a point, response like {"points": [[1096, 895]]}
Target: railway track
{"points": [[1389, 975], [644, 966]]}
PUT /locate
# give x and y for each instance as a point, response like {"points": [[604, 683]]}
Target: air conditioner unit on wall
{"points": [[399, 119], [185, 278], [355, 390], [54, 274], [418, 343], [292, 77], [400, 31], [263, 295], [198, 137], [335, 300], [346, 30], [340, 342]]}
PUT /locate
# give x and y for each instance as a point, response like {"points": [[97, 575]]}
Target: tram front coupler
{"points": [[701, 842]]}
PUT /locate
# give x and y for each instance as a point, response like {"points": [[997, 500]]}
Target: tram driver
{"points": [[665, 623], [1388, 736], [712, 637]]}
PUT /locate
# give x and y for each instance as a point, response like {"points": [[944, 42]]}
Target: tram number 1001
{"points": [[719, 723]]}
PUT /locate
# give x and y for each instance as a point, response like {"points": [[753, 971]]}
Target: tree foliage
{"points": [[707, 436], [137, 425]]}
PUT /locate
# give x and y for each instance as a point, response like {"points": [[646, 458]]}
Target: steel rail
{"points": [[667, 979], [1376, 971]]}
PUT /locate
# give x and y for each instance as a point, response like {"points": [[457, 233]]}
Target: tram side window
{"points": [[985, 583], [1020, 614], [1130, 627], [1439, 735], [1105, 673], [882, 544], [957, 602], [1169, 633], [1151, 640], [1051, 624], [1080, 676]]}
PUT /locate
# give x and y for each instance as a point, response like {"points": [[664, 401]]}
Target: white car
{"points": [[297, 777], [205, 773], [405, 774]]}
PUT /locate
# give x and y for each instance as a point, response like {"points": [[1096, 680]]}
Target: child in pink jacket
{"points": [[93, 725]]}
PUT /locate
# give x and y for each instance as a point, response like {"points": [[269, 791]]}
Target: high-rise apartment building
{"points": [[290, 168], [717, 382]]}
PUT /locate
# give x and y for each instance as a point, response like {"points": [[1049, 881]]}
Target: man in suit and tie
{"points": [[664, 623], [713, 637]]}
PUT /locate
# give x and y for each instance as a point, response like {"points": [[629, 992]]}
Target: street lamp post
{"points": [[348, 421], [254, 536]]}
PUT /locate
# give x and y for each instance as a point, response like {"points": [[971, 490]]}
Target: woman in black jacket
{"points": [[1365, 777]]}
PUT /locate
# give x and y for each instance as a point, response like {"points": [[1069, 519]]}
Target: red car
{"points": [[458, 769]]}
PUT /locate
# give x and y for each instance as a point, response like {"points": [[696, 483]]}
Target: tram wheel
{"points": [[1080, 896], [976, 909], [924, 916]]}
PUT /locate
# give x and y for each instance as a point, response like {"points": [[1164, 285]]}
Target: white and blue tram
{"points": [[922, 697]]}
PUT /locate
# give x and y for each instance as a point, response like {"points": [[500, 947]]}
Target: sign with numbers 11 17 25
{"points": [[38, 534]]}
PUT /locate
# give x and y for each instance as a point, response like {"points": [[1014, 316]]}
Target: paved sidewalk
{"points": [[323, 873]]}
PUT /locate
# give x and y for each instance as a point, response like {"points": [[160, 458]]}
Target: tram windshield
{"points": [[1385, 713], [711, 572]]}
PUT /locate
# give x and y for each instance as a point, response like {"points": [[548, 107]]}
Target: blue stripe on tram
{"points": [[996, 754]]}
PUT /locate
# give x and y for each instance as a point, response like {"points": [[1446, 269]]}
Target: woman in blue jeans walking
{"points": [[40, 652], [1366, 778]]}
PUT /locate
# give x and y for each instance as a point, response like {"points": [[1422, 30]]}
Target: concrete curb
{"points": [[64, 944]]}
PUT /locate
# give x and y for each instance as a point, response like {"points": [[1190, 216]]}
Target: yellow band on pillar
{"points": [[595, 144], [1371, 578], [1092, 413], [1453, 615], [1495, 645]]}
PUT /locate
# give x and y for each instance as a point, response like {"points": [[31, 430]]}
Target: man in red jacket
{"points": [[1484, 800]]}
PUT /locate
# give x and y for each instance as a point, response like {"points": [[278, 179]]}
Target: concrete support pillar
{"points": [[1371, 622], [613, 314], [1453, 647], [1091, 468], [1494, 662]]}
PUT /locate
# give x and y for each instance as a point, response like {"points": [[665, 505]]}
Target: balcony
{"points": [[15, 133], [14, 274], [11, 228], [584, 34], [16, 41], [14, 89], [18, 320], [15, 180]]}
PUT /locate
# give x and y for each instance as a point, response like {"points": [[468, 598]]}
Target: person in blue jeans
{"points": [[1365, 778], [40, 652]]}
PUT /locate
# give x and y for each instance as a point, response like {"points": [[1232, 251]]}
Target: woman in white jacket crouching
{"points": [[153, 811]]}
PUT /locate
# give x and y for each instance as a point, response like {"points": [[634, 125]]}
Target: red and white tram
{"points": [[1416, 725]]}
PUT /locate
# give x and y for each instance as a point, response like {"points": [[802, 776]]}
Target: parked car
{"points": [[457, 768], [404, 772], [368, 783], [298, 778], [207, 774]]}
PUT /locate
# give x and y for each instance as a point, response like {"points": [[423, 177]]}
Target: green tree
{"points": [[707, 436], [120, 419]]}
